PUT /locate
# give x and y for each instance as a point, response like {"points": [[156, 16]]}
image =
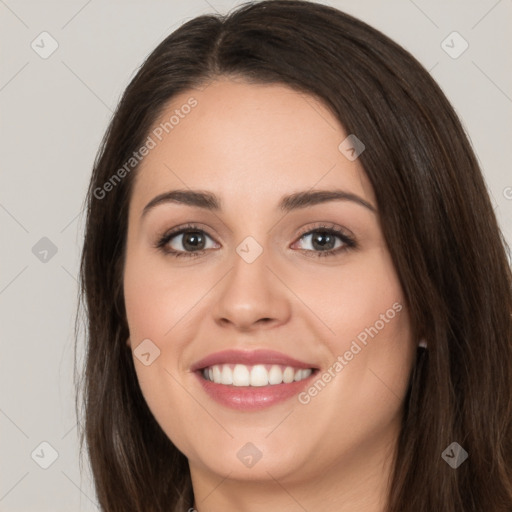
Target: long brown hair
{"points": [[436, 217]]}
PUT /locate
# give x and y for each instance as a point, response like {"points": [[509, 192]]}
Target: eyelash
{"points": [[349, 243]]}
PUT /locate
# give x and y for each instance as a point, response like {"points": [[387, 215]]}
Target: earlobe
{"points": [[128, 342]]}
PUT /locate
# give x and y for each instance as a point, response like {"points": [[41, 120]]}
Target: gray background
{"points": [[54, 112]]}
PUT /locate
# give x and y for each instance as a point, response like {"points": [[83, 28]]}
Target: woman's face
{"points": [[272, 281]]}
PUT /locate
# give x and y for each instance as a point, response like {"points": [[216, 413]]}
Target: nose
{"points": [[252, 297]]}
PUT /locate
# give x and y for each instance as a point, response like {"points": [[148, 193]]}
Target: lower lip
{"points": [[251, 398]]}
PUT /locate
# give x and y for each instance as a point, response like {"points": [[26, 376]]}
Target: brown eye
{"points": [[186, 241], [193, 240], [326, 241]]}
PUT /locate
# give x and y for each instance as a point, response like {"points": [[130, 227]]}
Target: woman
{"points": [[298, 296]]}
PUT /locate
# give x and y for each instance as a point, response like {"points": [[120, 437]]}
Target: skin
{"points": [[250, 145]]}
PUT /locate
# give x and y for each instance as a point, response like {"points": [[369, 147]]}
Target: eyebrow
{"points": [[295, 201]]}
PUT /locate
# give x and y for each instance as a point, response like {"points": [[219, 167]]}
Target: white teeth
{"points": [[302, 374], [226, 375], [275, 375], [257, 375], [306, 373], [216, 374], [288, 375], [241, 376]]}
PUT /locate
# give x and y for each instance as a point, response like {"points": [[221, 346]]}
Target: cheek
{"points": [[158, 299], [352, 298], [156, 306], [371, 351]]}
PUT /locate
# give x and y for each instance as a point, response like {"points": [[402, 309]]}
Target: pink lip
{"points": [[249, 358], [249, 398]]}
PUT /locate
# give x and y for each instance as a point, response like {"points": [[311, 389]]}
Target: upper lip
{"points": [[249, 357]]}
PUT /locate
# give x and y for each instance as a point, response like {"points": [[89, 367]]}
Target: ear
{"points": [[129, 342]]}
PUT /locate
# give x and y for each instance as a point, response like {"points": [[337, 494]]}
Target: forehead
{"points": [[247, 141]]}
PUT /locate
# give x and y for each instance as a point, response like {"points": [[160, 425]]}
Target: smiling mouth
{"points": [[259, 375]]}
